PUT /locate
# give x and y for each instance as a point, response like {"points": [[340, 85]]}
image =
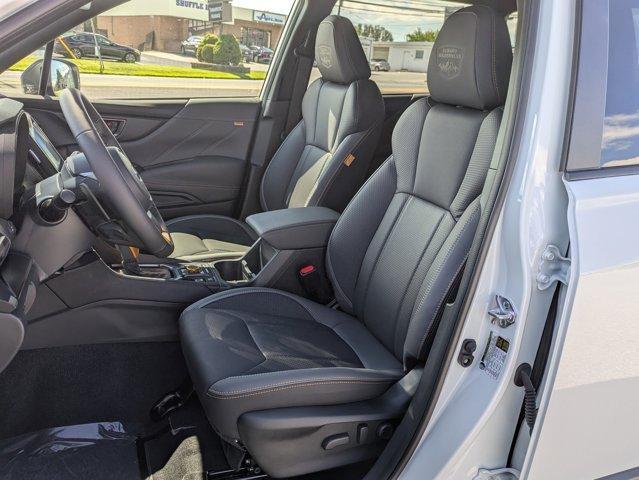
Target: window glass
{"points": [[620, 141], [155, 49], [400, 33]]}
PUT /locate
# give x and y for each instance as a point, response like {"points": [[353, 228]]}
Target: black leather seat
{"points": [[325, 158], [293, 381]]}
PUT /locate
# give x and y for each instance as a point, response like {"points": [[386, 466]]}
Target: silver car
{"points": [[380, 65], [189, 46]]}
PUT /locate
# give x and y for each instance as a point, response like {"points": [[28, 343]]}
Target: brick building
{"points": [[163, 24], [250, 27]]}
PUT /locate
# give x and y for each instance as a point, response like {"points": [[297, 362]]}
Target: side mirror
{"points": [[64, 74]]}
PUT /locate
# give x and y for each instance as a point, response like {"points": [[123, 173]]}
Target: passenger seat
{"points": [[324, 159], [304, 387]]}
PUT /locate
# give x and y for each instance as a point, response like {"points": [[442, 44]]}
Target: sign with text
{"points": [[268, 17], [220, 11], [188, 9]]}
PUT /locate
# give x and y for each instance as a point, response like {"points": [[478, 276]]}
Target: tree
{"points": [[209, 39], [227, 51], [206, 53], [420, 35], [376, 32]]}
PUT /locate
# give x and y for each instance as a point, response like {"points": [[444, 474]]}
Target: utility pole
{"points": [[98, 50], [339, 7]]}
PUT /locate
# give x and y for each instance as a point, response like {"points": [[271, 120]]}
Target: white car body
{"points": [[587, 421]]}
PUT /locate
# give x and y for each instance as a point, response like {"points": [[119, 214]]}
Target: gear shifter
{"points": [[130, 262]]}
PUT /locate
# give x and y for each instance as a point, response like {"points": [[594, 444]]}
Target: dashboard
{"points": [[27, 156], [41, 147]]}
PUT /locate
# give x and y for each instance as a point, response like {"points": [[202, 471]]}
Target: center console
{"points": [[288, 240], [99, 301]]}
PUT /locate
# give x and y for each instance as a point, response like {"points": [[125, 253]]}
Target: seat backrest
{"points": [[324, 160], [404, 238]]}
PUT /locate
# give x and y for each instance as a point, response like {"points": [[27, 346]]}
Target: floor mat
{"points": [[99, 451], [86, 383]]}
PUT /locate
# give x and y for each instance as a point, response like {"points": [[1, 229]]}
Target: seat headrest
{"points": [[339, 53], [470, 62]]}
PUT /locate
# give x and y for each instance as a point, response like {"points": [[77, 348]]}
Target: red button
{"points": [[307, 270]]}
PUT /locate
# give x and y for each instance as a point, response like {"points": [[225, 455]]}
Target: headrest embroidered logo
{"points": [[449, 61], [325, 56]]}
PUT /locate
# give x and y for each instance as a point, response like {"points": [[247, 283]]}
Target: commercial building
{"points": [[409, 56], [163, 24], [250, 27]]}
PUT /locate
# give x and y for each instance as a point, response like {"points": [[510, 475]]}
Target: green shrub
{"points": [[227, 51], [209, 39], [207, 54]]}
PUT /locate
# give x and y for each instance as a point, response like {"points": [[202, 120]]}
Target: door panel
{"points": [[192, 154], [195, 162]]}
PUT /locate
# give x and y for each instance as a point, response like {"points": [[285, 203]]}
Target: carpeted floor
{"points": [[86, 384], [113, 384]]}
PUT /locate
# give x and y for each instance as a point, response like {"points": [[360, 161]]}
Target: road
{"points": [[129, 87]]}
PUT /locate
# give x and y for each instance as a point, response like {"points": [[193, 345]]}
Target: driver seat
{"points": [[303, 387], [322, 162]]}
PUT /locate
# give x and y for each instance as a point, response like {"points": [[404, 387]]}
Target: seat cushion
{"points": [[192, 248], [208, 237], [254, 349]]}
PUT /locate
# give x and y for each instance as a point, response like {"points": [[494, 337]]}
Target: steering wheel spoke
{"points": [[119, 180]]}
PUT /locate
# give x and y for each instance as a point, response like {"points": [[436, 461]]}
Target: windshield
{"points": [[9, 7]]}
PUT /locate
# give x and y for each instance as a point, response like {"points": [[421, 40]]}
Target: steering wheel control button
{"points": [[335, 441]]}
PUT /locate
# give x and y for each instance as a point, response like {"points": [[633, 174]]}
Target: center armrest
{"points": [[295, 228]]}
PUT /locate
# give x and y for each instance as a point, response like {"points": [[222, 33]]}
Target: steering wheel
{"points": [[118, 179]]}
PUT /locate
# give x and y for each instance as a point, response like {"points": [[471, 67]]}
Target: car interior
{"points": [[244, 288]]}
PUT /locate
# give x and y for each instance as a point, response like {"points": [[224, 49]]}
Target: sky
{"points": [[399, 16]]}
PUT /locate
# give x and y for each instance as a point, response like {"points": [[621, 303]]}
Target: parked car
{"points": [[247, 53], [189, 46], [261, 54], [380, 65], [80, 45]]}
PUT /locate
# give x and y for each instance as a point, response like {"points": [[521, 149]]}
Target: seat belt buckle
{"points": [[312, 283], [309, 278]]}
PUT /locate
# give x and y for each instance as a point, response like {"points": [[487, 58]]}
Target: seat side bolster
{"points": [[448, 263], [355, 229], [346, 169], [280, 170], [264, 383], [230, 398]]}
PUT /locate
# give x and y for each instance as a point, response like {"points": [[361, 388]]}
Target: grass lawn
{"points": [[141, 70]]}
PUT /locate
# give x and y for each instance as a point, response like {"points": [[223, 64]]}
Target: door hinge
{"points": [[503, 314], [553, 267], [497, 474]]}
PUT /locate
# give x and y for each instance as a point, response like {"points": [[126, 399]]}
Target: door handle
{"points": [[116, 125]]}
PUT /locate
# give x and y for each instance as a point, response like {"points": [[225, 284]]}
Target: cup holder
{"points": [[231, 270], [241, 271]]}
